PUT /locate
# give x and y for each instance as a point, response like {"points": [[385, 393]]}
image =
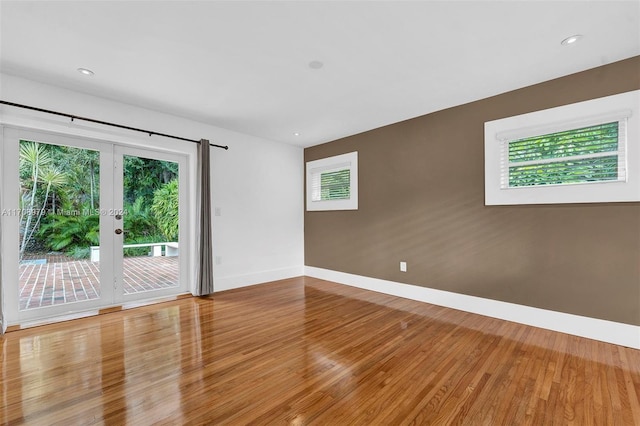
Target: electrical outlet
{"points": [[403, 266], [218, 260], [218, 211]]}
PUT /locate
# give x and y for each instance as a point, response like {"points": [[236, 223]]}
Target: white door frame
{"points": [[110, 294], [118, 196]]}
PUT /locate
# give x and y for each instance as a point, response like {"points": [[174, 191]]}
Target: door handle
{"points": [[118, 231]]}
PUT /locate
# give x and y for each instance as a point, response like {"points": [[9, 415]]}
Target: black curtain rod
{"points": [[106, 123]]}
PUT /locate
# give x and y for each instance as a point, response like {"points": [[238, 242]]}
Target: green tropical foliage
{"points": [[63, 232], [143, 176], [36, 161], [165, 209], [139, 223], [60, 201], [53, 179]]}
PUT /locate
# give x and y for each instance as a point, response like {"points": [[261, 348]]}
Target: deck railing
{"points": [[170, 249]]}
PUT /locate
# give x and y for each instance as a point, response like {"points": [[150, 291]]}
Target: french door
{"points": [[88, 224]]}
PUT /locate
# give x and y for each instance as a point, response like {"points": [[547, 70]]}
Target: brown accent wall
{"points": [[421, 185]]}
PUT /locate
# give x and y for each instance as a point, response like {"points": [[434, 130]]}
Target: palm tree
{"points": [[33, 157], [52, 178], [36, 159]]}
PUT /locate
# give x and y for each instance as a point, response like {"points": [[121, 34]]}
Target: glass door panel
{"points": [[59, 224], [150, 186], [59, 228], [54, 245]]}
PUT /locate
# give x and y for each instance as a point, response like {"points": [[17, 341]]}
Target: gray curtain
{"points": [[204, 276]]}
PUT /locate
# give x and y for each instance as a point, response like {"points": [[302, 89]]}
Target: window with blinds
{"points": [[576, 156], [332, 183], [585, 152]]}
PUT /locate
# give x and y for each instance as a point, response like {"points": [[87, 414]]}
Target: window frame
{"points": [[315, 168], [622, 107]]}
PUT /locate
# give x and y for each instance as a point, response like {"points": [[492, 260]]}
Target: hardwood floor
{"points": [[306, 351]]}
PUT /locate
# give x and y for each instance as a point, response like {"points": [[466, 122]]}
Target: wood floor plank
{"points": [[305, 351]]}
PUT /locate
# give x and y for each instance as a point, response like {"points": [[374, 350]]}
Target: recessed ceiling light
{"points": [[316, 65], [85, 71], [571, 40], [296, 134]]}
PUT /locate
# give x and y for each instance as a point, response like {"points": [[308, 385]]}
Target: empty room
{"points": [[320, 212]]}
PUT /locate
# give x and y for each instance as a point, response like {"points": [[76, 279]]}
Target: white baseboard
{"points": [[237, 281], [592, 328]]}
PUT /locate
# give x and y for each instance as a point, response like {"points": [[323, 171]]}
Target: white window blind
{"points": [[588, 154], [333, 184]]}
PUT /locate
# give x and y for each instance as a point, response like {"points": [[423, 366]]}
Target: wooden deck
{"points": [[60, 280], [305, 351]]}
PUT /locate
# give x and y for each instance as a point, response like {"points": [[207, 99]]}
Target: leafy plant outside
{"points": [[165, 209], [60, 200]]}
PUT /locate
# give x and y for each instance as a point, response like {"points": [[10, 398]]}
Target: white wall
{"points": [[257, 184]]}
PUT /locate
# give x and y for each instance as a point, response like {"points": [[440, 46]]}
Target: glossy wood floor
{"points": [[305, 351]]}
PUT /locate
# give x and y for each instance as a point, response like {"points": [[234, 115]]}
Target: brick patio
{"points": [[64, 280]]}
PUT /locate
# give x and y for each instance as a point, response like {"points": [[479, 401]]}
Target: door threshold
{"points": [[95, 312]]}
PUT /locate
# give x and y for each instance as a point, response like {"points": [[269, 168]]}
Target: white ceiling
{"points": [[243, 65]]}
